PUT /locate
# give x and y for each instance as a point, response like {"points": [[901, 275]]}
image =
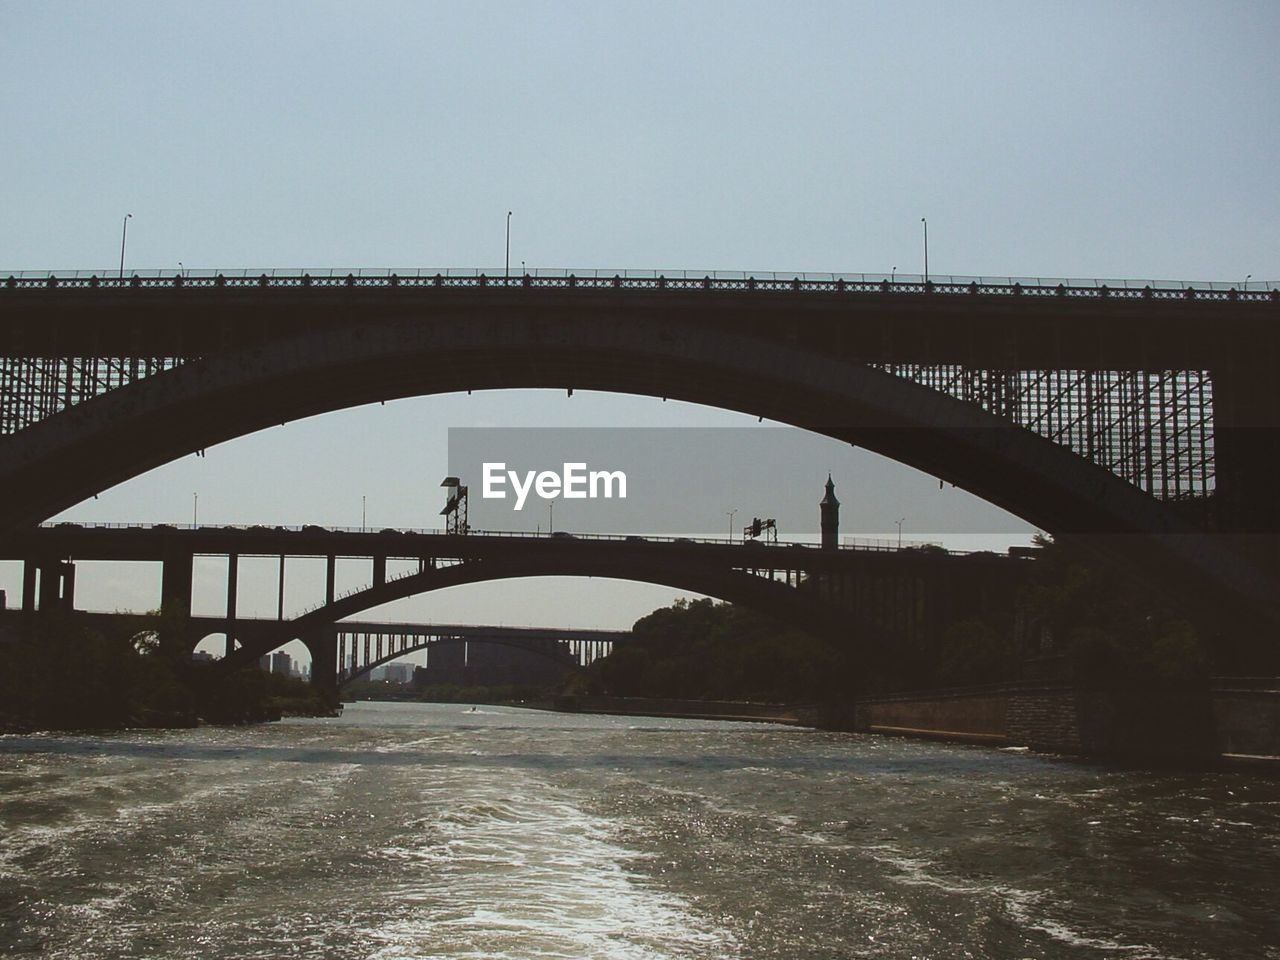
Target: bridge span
{"points": [[1137, 419], [362, 645], [886, 602]]}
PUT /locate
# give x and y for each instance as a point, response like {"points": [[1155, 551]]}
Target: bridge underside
{"points": [[119, 434]]}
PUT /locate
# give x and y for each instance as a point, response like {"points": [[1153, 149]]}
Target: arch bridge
{"points": [[1138, 418], [886, 602]]}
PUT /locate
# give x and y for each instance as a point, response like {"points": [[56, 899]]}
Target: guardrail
{"points": [[596, 279], [848, 543]]}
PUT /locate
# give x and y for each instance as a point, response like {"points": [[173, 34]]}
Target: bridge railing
{"points": [[603, 279], [847, 543]]}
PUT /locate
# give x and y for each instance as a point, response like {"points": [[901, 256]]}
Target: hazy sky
{"points": [[1081, 140]]}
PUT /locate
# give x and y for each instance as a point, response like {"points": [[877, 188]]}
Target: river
{"points": [[416, 831]]}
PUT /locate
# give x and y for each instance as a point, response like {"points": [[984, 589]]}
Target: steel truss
{"points": [[35, 388], [1153, 429]]}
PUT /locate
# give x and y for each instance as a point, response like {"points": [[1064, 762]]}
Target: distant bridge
{"points": [[886, 602], [1139, 417], [363, 645]]}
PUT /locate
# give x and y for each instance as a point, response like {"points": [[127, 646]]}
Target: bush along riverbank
{"points": [[56, 674]]}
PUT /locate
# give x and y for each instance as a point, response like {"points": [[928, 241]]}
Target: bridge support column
{"points": [[379, 570], [175, 604], [68, 576], [1246, 429], [330, 577], [57, 585], [29, 569], [233, 583], [50, 587], [280, 591], [323, 647]]}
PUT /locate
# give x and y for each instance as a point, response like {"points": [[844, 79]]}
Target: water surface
{"points": [[416, 831]]}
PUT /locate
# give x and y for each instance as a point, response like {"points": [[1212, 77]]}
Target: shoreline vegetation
{"points": [[61, 675]]}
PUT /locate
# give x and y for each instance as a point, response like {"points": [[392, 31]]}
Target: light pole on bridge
{"points": [[124, 232], [506, 269], [730, 514], [195, 509], [364, 513], [900, 521], [926, 248]]}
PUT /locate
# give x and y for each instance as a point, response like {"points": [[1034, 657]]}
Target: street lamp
{"points": [[926, 248], [124, 232], [506, 270], [364, 513], [195, 509], [900, 521], [1246, 281], [893, 276], [730, 514]]}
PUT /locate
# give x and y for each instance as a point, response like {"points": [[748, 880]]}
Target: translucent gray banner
{"points": [[699, 481]]}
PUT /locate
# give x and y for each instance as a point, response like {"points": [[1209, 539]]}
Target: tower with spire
{"points": [[830, 508]]}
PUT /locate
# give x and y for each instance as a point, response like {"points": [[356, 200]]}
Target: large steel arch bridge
{"points": [[1138, 415]]}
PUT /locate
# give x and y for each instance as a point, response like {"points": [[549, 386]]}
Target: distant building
{"points": [[398, 672], [202, 656], [282, 664]]}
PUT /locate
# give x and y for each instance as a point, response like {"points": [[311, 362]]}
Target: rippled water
{"points": [[405, 830]]}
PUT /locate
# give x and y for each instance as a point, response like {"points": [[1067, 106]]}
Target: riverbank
{"points": [[740, 710], [1058, 721]]}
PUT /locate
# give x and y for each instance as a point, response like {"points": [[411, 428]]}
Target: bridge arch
{"points": [[757, 593], [135, 428]]}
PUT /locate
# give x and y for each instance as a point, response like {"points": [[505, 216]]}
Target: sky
{"points": [[1107, 140]]}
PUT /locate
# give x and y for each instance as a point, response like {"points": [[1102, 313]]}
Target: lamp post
{"points": [[730, 514], [195, 510], [893, 276], [364, 513], [124, 232], [1246, 281], [926, 248], [506, 269], [551, 517], [900, 521]]}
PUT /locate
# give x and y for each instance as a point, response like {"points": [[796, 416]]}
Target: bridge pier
{"points": [[52, 582], [233, 581], [175, 604], [323, 647], [28, 586]]}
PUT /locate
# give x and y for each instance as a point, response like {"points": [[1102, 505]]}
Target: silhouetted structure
{"points": [[830, 517]]}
